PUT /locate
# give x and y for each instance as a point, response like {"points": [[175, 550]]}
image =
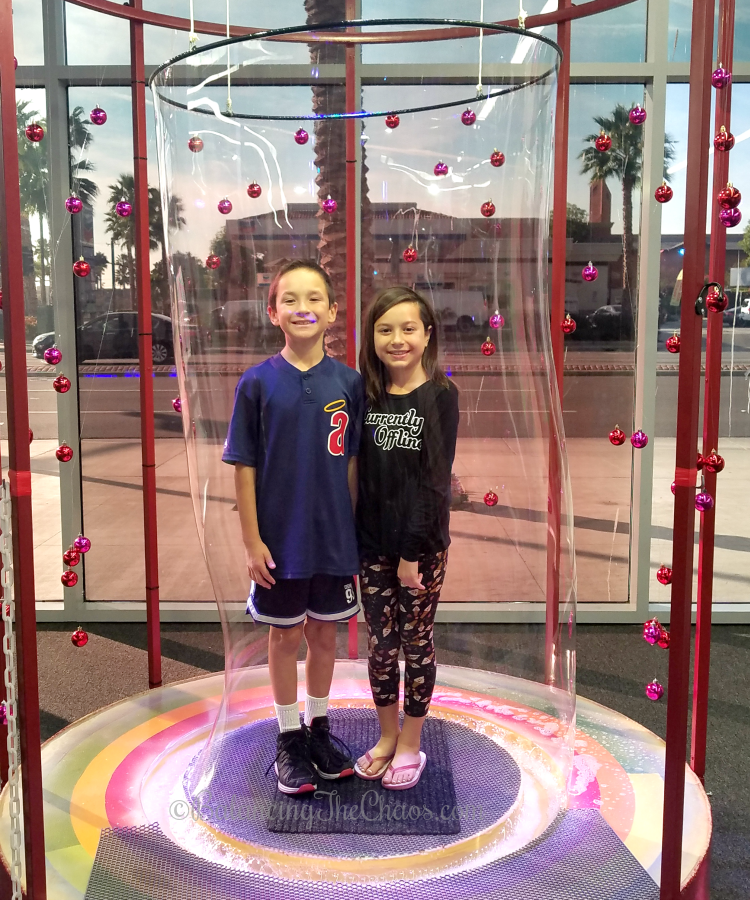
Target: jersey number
{"points": [[339, 421]]}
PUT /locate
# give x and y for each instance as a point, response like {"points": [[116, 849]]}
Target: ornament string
{"points": [[192, 37], [229, 69], [480, 90], [521, 15]]}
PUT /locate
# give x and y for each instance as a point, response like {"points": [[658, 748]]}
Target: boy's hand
{"points": [[408, 575], [259, 561]]}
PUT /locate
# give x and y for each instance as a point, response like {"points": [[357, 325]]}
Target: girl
{"points": [[406, 454]]}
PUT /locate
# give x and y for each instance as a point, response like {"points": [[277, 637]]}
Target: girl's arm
{"points": [[257, 555]]}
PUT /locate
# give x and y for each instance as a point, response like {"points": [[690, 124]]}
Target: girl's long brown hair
{"points": [[372, 369]]}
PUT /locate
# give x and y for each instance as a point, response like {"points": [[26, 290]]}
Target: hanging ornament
{"points": [[488, 348], [699, 462], [568, 325], [177, 404], [490, 498], [330, 205], [488, 209], [663, 193], [654, 691], [714, 463], [496, 320], [716, 300], [3, 707], [81, 268], [729, 197], [61, 384], [664, 575], [82, 544], [31, 435], [195, 144], [468, 117], [617, 436], [64, 453], [225, 206], [254, 190], [639, 439], [73, 205], [79, 637], [123, 209], [703, 501], [651, 631], [724, 140], [98, 116], [212, 262], [673, 343], [69, 578], [673, 487], [71, 557], [34, 132], [720, 77], [603, 142], [497, 159], [589, 272], [730, 217], [392, 121], [301, 136], [52, 356], [440, 169], [410, 254], [637, 115], [664, 639], [15, 64]]}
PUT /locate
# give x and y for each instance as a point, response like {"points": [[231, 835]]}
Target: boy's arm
{"points": [[353, 477], [258, 556]]}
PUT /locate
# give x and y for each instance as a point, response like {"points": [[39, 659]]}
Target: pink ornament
{"points": [[703, 501], [720, 77], [177, 404], [82, 544], [724, 140], [651, 631], [61, 384], [34, 132], [664, 639], [654, 691], [714, 463], [673, 343], [664, 575], [392, 121], [52, 356], [730, 217], [410, 254], [98, 116], [663, 193], [589, 272], [468, 117], [716, 300], [79, 637], [64, 453], [195, 144], [490, 498], [637, 115], [603, 142], [123, 209], [254, 190], [330, 205], [496, 320], [639, 439], [729, 197], [73, 205], [81, 268], [568, 325], [673, 487], [440, 169], [617, 436], [488, 348], [212, 262], [3, 707], [69, 578], [225, 206], [497, 159], [488, 209], [15, 63], [301, 136], [71, 557]]}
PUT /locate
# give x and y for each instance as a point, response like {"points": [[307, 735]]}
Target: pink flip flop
{"points": [[405, 785], [375, 776]]}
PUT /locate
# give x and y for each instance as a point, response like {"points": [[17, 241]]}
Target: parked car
{"points": [[115, 336], [606, 322], [739, 315]]}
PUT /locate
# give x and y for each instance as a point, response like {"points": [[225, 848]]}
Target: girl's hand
{"points": [[408, 575], [259, 561]]}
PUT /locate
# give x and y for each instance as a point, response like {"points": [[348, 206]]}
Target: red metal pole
{"points": [[557, 314], [143, 289], [711, 403], [19, 473], [688, 401]]}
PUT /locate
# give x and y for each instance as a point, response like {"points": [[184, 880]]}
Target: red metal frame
{"points": [[688, 398], [711, 401]]}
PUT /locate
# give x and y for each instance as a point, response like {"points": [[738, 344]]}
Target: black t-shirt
{"points": [[405, 461]]}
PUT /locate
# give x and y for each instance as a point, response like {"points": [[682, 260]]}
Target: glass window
{"points": [[93, 39], [28, 35], [615, 36]]}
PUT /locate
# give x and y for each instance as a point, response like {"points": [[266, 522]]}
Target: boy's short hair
{"points": [[299, 264]]}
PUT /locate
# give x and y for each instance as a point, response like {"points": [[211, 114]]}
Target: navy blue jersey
{"points": [[298, 430]]}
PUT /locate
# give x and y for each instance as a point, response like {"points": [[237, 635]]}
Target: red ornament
{"points": [[637, 115], [64, 453], [497, 159], [31, 435], [729, 197], [714, 463], [123, 209], [468, 117], [82, 544], [61, 384], [730, 217], [617, 436], [724, 140], [716, 300], [79, 637], [568, 325], [410, 254], [195, 144], [603, 142], [440, 169], [651, 631], [69, 578], [330, 205], [301, 136], [71, 557], [392, 121], [700, 462], [654, 691], [177, 404], [673, 343], [34, 132], [52, 356], [98, 116], [488, 209], [664, 575], [639, 439], [589, 272], [81, 268], [664, 639], [254, 190], [490, 498], [225, 206], [488, 348], [212, 262], [73, 205], [663, 193]]}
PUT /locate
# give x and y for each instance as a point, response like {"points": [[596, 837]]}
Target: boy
{"points": [[293, 440]]}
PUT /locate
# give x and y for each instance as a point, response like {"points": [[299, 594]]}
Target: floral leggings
{"points": [[397, 617]]}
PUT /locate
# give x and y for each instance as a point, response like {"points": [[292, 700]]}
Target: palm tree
{"points": [[33, 179], [79, 136], [624, 162], [122, 228], [175, 222]]}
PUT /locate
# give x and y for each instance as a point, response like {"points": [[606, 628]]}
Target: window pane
{"points": [[93, 39], [28, 36], [615, 36]]}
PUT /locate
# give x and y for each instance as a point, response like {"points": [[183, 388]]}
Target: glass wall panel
{"points": [[93, 39], [28, 35], [615, 36]]}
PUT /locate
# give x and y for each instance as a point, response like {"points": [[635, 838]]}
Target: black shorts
{"points": [[329, 598]]}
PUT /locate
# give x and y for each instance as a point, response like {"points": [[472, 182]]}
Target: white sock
{"points": [[288, 717], [315, 706]]}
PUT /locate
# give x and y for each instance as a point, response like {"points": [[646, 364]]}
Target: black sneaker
{"points": [[330, 761], [294, 770]]}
